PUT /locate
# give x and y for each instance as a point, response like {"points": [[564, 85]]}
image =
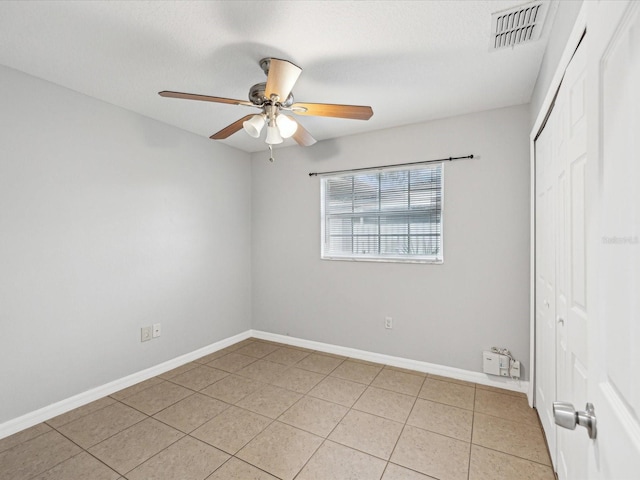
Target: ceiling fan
{"points": [[273, 98]]}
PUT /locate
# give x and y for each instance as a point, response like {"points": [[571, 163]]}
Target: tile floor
{"points": [[263, 411]]}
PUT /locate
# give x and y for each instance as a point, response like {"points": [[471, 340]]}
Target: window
{"points": [[390, 215]]}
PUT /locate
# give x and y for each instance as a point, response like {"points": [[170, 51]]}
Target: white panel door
{"points": [[614, 248], [545, 389], [561, 328], [571, 291], [594, 220]]}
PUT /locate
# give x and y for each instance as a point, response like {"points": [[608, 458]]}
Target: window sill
{"points": [[385, 260]]}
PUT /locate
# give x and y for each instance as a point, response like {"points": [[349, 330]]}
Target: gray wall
{"points": [[563, 23], [110, 221], [443, 314]]}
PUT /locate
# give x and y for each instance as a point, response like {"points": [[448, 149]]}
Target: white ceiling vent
{"points": [[519, 25]]}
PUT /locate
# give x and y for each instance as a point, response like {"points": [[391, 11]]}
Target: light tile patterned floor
{"points": [[262, 411]]}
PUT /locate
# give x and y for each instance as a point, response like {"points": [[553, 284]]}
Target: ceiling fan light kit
{"points": [[254, 125], [286, 125], [281, 77], [273, 136]]}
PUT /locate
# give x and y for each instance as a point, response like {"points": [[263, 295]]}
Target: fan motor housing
{"points": [[257, 96]]}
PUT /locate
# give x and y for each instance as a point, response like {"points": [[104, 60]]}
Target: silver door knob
{"points": [[567, 417]]}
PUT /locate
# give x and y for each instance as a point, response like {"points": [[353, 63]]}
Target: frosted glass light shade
{"points": [[273, 135], [286, 125], [254, 125]]}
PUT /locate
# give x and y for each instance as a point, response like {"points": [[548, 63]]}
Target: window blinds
{"points": [[393, 214]]}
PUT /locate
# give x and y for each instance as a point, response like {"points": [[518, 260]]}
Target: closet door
{"points": [[572, 373], [561, 313], [596, 219], [545, 391]]}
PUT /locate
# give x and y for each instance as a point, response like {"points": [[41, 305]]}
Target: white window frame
{"points": [[424, 259]]}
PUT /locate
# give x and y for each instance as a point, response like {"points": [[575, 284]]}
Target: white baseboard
{"points": [[425, 367], [43, 414]]}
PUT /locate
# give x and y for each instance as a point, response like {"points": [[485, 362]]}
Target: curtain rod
{"points": [[315, 174]]}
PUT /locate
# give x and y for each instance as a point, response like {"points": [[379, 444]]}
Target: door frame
{"points": [[573, 41]]}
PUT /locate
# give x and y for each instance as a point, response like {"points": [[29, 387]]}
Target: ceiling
{"points": [[412, 61]]}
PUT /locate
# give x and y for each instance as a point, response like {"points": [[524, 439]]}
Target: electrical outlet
{"points": [[157, 330], [388, 322], [145, 334]]}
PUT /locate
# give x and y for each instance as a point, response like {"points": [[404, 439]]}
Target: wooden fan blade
{"points": [[204, 98], [355, 112], [302, 136], [281, 78], [230, 129]]}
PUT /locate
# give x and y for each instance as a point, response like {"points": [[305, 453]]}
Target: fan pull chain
{"points": [[271, 154]]}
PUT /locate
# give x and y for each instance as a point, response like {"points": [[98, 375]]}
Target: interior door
{"points": [[561, 313], [573, 369], [614, 283], [545, 389]]}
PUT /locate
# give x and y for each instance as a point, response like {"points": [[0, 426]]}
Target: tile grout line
{"points": [[155, 454], [74, 456], [325, 439], [500, 451], [512, 455], [530, 424], [267, 426], [473, 419], [86, 450], [415, 400], [110, 436]]}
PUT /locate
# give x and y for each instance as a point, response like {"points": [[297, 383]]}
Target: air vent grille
{"points": [[517, 25]]}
